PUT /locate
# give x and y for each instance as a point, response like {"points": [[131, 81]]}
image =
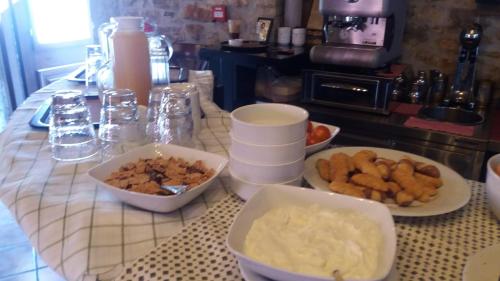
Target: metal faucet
{"points": [[463, 88]]}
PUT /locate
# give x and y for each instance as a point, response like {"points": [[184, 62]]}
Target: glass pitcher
{"points": [[160, 51]]}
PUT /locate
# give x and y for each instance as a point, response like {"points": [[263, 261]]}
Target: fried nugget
{"points": [[340, 167], [394, 188], [428, 170], [408, 159], [370, 181], [323, 167], [388, 162], [384, 170], [377, 196], [404, 198], [347, 189], [406, 180], [405, 166], [363, 161], [428, 180], [428, 194]]}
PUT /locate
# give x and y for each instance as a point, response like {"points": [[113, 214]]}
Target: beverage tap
{"points": [[463, 88]]}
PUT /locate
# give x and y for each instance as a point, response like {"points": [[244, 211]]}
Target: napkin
{"points": [[440, 126]]}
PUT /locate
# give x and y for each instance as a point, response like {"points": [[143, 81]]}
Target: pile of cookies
{"points": [[366, 175]]}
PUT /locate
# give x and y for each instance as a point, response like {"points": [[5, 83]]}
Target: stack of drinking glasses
{"points": [[173, 114], [119, 127], [71, 133]]}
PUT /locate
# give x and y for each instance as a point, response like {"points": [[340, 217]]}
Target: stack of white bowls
{"points": [[267, 147]]}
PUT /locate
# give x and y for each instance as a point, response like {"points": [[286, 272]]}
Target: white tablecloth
{"points": [[84, 233], [79, 230]]}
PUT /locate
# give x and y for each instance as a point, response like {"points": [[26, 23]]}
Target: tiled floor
{"points": [[18, 260]]}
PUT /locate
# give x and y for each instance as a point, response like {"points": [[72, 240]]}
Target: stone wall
{"points": [[190, 20], [430, 42], [431, 39]]}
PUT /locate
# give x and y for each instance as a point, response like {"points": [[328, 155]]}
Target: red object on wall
{"points": [[219, 13]]}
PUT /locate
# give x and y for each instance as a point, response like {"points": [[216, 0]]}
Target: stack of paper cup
{"points": [[267, 147], [298, 37], [284, 35]]}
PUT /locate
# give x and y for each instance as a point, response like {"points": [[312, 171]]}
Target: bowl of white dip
{"points": [[298, 234]]}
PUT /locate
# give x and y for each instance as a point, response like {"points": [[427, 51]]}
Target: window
{"points": [[60, 21]]}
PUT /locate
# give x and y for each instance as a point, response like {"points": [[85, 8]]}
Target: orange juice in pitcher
{"points": [[130, 53]]}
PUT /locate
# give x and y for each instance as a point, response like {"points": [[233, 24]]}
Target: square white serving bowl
{"points": [[334, 130], [277, 196], [157, 203]]}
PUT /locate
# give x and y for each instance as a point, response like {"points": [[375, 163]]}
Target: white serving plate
{"points": [[157, 203], [277, 196], [310, 149], [454, 194], [483, 265]]}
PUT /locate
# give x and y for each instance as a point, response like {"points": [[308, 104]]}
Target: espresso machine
{"points": [[361, 33], [354, 66]]}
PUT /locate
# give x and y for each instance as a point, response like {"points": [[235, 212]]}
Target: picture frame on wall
{"points": [[263, 29]]}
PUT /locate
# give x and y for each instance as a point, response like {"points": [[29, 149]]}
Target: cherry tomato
{"points": [[309, 126], [497, 169], [320, 133], [310, 140]]}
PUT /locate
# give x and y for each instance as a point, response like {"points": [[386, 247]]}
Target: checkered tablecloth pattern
{"points": [[80, 230]]}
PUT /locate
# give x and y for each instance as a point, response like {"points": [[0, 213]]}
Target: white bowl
{"points": [[266, 173], [236, 42], [277, 196], [267, 154], [157, 203], [269, 123], [493, 185], [245, 189], [310, 149]]}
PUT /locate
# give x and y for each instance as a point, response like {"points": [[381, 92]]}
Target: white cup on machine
{"points": [[284, 34], [298, 37]]}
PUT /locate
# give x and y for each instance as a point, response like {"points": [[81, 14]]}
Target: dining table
{"points": [[83, 232]]}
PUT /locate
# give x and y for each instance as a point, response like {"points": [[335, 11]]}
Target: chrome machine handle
{"points": [[343, 86]]}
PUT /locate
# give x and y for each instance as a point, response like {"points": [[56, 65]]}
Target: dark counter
{"points": [[466, 155], [235, 86]]}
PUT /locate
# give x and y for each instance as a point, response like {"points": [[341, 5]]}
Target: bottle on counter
{"points": [[419, 88], [437, 87], [130, 57]]}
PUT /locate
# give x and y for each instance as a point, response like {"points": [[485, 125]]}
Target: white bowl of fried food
{"points": [[365, 175], [136, 177], [410, 184], [297, 234]]}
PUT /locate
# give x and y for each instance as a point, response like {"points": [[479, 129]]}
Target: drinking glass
{"points": [[119, 126], [234, 28], [175, 120], [93, 62], [153, 114], [71, 133]]}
